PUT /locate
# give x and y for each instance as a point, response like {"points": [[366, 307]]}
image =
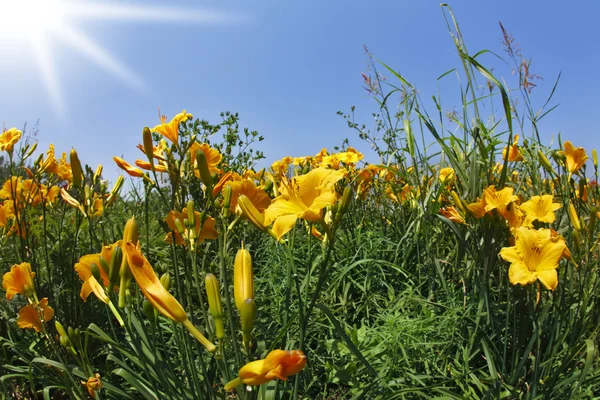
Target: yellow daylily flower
{"points": [[303, 197], [32, 316], [541, 208], [576, 157], [171, 130], [279, 364], [447, 175], [498, 199], [18, 280], [9, 138], [535, 255]]}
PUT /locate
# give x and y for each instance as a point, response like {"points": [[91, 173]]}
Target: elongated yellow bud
{"points": [[248, 211], [214, 304], [190, 213], [71, 201], [595, 158], [130, 234], [344, 203], [115, 190], [243, 277], [30, 150], [457, 202], [545, 163], [248, 315], [574, 218], [97, 174], [76, 169], [64, 338]]}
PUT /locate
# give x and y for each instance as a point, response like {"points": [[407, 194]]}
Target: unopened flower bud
{"points": [[243, 277], [130, 234], [104, 265], [165, 280], [228, 193], [595, 158], [249, 211], [190, 213], [64, 337], [247, 315], [179, 226], [205, 175], [115, 190], [96, 272], [148, 145], [115, 265], [574, 218], [214, 304], [30, 150], [576, 240], [344, 203], [457, 202], [76, 169], [97, 174], [545, 162]]}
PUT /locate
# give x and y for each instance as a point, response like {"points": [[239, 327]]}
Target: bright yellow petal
{"points": [[549, 278], [284, 224], [518, 273]]}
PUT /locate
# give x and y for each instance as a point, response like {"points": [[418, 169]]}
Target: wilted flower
{"points": [[513, 151]]}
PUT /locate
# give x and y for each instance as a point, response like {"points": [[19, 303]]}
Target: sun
{"points": [[34, 25], [27, 18]]}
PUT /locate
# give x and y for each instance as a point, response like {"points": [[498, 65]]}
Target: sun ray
{"points": [[43, 56], [100, 56]]}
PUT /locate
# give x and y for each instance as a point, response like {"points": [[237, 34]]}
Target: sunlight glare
{"points": [[22, 18]]}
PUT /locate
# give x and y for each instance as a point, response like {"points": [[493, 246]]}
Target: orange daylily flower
{"points": [[93, 384], [513, 151], [124, 165], [171, 130], [157, 295], [259, 198], [535, 255], [576, 157], [303, 197], [206, 231], [279, 364], [32, 316], [148, 167], [452, 214], [9, 138], [213, 157], [18, 280], [84, 270]]}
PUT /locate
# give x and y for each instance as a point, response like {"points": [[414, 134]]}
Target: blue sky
{"points": [[288, 67]]}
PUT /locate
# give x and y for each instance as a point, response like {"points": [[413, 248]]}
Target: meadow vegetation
{"points": [[461, 263]]}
